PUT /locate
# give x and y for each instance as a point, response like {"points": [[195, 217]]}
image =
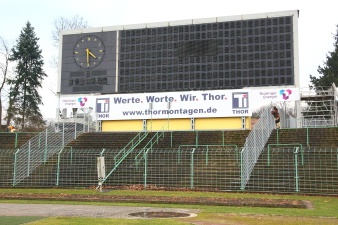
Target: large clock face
{"points": [[88, 52]]}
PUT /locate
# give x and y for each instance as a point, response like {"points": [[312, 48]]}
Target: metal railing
{"points": [[37, 150], [124, 152], [254, 144], [290, 169], [154, 140]]}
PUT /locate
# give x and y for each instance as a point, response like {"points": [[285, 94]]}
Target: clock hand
{"points": [[92, 54], [87, 51]]}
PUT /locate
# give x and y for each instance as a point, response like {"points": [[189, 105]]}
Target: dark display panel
{"points": [[89, 63], [224, 55]]}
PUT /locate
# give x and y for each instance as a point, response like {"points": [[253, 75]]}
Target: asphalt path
{"points": [[58, 210]]}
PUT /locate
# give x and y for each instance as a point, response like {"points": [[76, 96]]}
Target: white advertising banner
{"points": [[275, 95], [192, 104], [77, 102], [189, 104]]}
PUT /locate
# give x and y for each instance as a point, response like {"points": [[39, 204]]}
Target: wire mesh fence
{"points": [[39, 147], [6, 166], [278, 169]]}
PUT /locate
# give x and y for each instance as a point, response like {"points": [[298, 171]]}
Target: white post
{"points": [[101, 171]]}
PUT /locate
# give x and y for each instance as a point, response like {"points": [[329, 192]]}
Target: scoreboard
{"points": [[246, 51]]}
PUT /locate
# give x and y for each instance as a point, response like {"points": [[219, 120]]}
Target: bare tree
{"points": [[60, 24], [63, 23], [4, 64]]}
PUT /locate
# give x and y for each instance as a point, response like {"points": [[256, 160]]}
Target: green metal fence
{"points": [[280, 169]]}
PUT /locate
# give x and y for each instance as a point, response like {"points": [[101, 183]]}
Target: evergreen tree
{"points": [[24, 98], [329, 72]]}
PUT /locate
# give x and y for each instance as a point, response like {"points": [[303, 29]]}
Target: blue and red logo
{"points": [[285, 93], [82, 101]]}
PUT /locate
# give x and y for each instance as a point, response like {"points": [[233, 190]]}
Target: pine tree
{"points": [[330, 69], [24, 98]]}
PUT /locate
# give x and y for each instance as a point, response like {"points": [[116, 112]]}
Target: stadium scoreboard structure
{"points": [[247, 51]]}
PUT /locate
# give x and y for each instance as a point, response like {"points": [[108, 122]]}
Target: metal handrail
{"points": [[126, 153], [151, 143], [131, 145], [58, 162]]}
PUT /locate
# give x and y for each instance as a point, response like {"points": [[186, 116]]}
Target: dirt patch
{"points": [[243, 202], [159, 214]]}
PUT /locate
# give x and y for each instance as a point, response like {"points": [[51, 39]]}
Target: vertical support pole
{"points": [[268, 155], [179, 155], [242, 170], [14, 169], [145, 125], [169, 107], [45, 155], [151, 116], [39, 140], [28, 157], [207, 156], [63, 133], [236, 152], [71, 155], [46, 138], [171, 139], [192, 168], [296, 169], [243, 123], [58, 169], [145, 175], [75, 128], [16, 140], [46, 146], [307, 137], [196, 141]]}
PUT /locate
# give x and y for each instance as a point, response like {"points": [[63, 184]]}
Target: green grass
{"points": [[15, 220], [323, 207]]}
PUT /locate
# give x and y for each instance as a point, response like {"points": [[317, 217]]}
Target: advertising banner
{"points": [[275, 95], [189, 104], [193, 104]]}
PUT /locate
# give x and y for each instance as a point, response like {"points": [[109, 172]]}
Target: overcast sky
{"points": [[316, 24]]}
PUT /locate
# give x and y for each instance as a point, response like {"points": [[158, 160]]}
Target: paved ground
{"points": [[51, 210]]}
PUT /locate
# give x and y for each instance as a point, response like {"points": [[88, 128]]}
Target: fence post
{"points": [[145, 169], [196, 138], [14, 169], [192, 168], [58, 168], [29, 157], [16, 140], [207, 156], [75, 128], [63, 133], [242, 172], [296, 169], [171, 139]]}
